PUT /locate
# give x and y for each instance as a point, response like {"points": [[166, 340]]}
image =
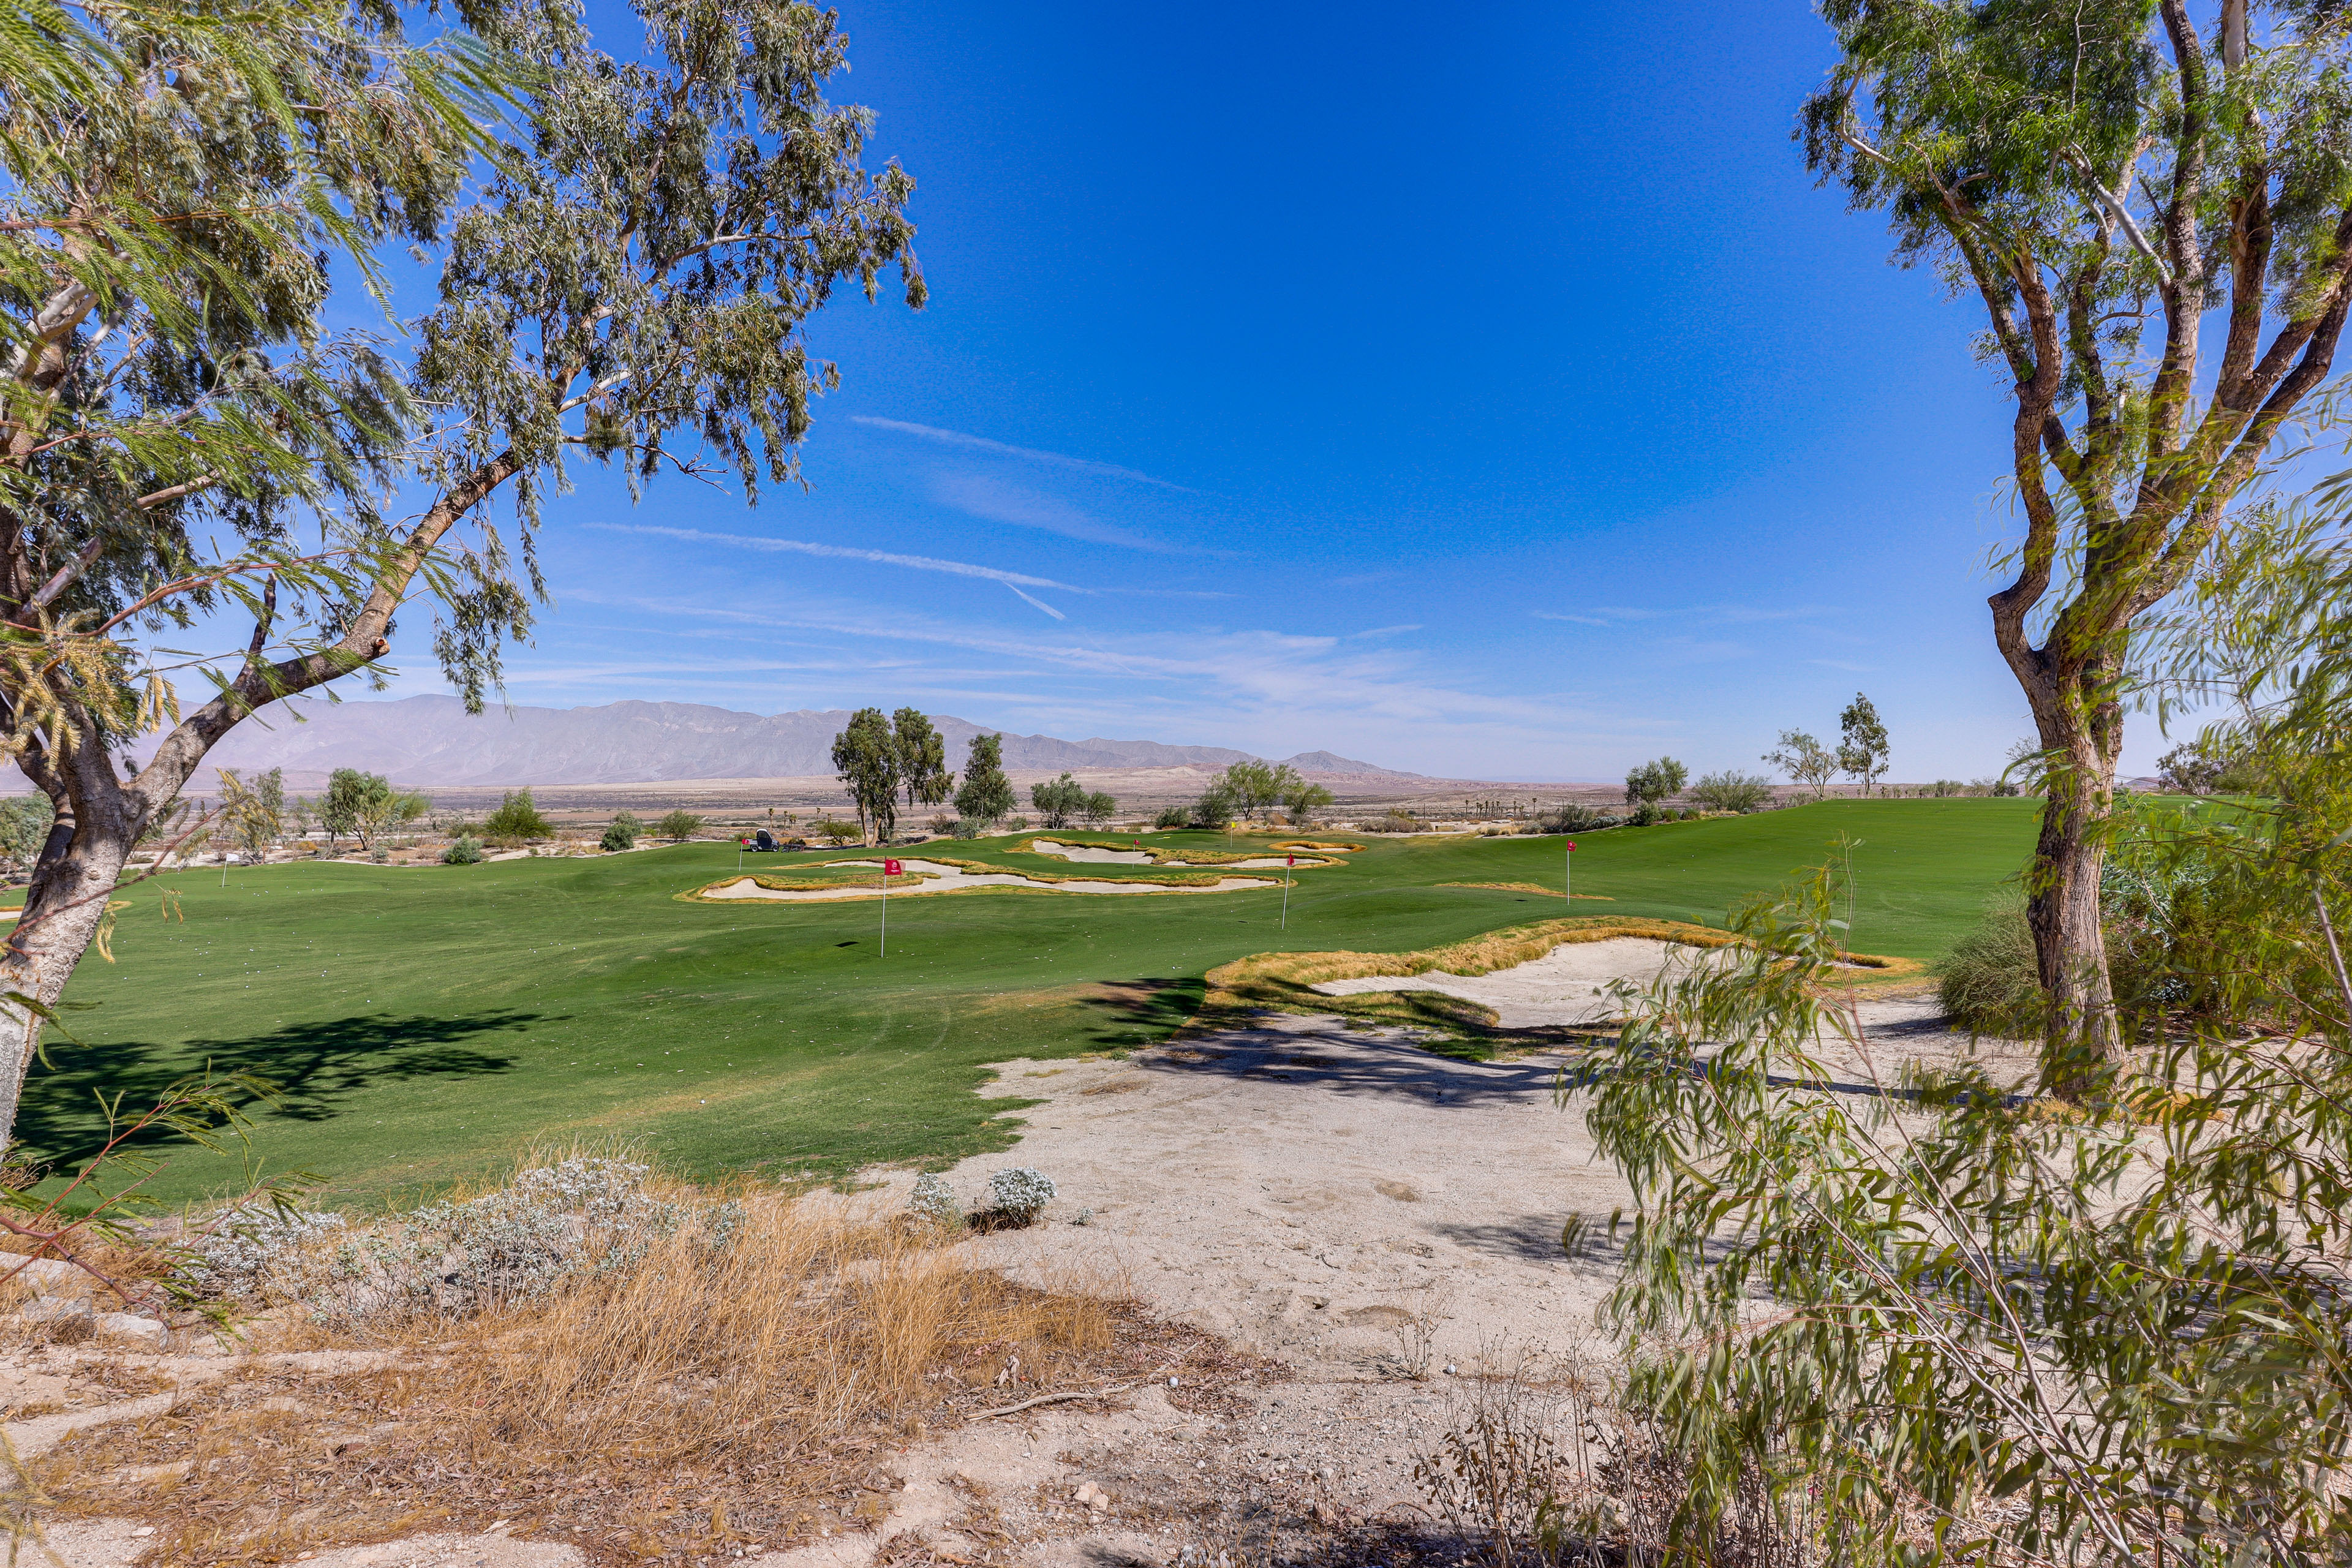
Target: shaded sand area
{"points": [[939, 877], [1571, 984]]}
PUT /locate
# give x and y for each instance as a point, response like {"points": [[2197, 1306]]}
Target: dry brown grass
{"points": [[1283, 981], [704, 1397]]}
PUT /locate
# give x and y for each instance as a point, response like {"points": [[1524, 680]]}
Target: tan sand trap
{"points": [[1095, 854], [944, 878], [1569, 985]]}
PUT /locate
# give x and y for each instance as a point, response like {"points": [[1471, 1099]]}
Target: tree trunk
{"points": [[2081, 740], [64, 907]]}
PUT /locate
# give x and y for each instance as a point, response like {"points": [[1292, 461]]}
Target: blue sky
{"points": [[1484, 391]]}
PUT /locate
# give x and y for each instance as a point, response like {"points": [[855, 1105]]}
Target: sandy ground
{"points": [[1380, 1221], [945, 879]]}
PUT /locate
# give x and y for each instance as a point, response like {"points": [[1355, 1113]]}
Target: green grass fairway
{"points": [[431, 1022]]}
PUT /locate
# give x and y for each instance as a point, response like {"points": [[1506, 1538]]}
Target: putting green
{"points": [[430, 1024]]}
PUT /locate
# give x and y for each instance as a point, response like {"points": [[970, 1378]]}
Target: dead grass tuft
{"points": [[703, 1398]]}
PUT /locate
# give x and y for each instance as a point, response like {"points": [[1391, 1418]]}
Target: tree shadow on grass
{"points": [[315, 1066], [1133, 1013]]}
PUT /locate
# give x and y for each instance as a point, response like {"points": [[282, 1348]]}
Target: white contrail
{"points": [[1013, 580]]}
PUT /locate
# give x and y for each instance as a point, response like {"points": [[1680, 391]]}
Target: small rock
{"points": [[144, 1530], [130, 1326], [49, 1308]]}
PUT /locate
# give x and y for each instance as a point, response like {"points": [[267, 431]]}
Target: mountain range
{"points": [[432, 742]]}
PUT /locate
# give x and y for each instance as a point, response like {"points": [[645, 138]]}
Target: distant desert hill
{"points": [[431, 741]]}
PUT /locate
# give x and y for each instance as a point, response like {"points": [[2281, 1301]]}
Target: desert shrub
{"points": [[832, 830], [1656, 781], [964, 827], [751, 1351], [464, 851], [1058, 801], [1020, 1193], [679, 826], [944, 822], [1989, 983], [517, 819], [1570, 819], [935, 1201], [515, 1243], [622, 833], [1173, 816], [1732, 789], [1099, 808], [1396, 821], [23, 828], [1217, 806], [1646, 813]]}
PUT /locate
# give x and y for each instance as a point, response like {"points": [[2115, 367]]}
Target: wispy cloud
{"points": [[1016, 581], [982, 444], [1695, 614], [981, 495], [1385, 631]]}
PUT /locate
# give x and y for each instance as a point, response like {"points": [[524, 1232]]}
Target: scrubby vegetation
{"points": [[517, 820], [619, 835], [751, 1352]]}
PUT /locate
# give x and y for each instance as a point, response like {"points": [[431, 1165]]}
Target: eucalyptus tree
{"points": [[987, 795], [186, 441], [1805, 760], [866, 756], [2119, 184], [1861, 740], [922, 758]]}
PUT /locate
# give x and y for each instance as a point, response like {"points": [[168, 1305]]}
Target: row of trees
{"points": [[1064, 800], [1250, 791], [1860, 753], [879, 758]]}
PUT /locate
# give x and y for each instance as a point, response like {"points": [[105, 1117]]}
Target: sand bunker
{"points": [[1567, 985], [940, 878], [1092, 854], [1095, 854]]}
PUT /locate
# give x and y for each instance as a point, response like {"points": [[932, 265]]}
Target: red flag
{"points": [[1290, 860], [892, 868], [1572, 843]]}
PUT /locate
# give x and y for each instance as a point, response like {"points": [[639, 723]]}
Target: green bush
{"points": [[679, 826], [1570, 819], [622, 834], [1989, 982], [1172, 817], [1733, 791], [464, 852], [517, 820]]}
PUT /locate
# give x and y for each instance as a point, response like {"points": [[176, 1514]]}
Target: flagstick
{"points": [[885, 911], [1286, 900]]}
